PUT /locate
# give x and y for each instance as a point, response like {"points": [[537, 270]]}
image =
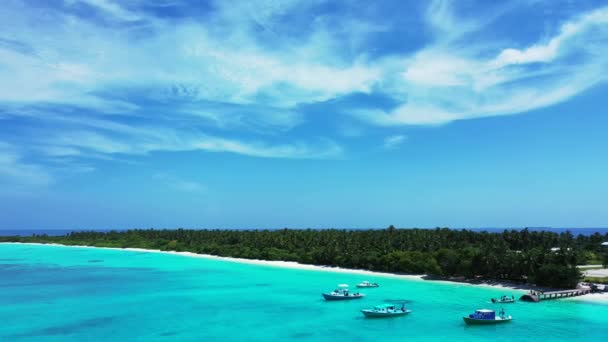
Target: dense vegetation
{"points": [[523, 256]]}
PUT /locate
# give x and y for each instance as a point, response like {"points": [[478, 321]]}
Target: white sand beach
{"points": [[274, 263], [593, 297], [596, 298], [602, 272]]}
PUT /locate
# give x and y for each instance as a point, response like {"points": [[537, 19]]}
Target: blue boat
{"points": [[485, 317]]}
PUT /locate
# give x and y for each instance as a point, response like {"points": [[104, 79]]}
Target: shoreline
{"points": [[521, 288]]}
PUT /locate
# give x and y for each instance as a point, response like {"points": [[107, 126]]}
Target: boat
{"points": [[504, 300], [386, 310], [366, 284], [485, 317], [342, 293]]}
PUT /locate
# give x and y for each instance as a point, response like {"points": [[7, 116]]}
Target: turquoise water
{"points": [[50, 293]]}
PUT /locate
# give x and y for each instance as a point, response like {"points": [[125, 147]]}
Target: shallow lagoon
{"points": [[52, 293]]}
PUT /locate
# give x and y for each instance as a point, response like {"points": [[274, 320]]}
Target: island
{"points": [[524, 256]]}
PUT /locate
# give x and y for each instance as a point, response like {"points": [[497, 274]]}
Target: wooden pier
{"points": [[537, 296]]}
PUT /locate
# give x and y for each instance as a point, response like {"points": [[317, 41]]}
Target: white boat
{"points": [[342, 293], [386, 310], [504, 300], [367, 284]]}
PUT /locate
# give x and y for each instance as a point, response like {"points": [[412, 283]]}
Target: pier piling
{"points": [[538, 296]]}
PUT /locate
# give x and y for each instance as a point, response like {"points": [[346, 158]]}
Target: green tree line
{"points": [[515, 255]]}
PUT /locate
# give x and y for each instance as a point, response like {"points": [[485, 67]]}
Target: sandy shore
{"points": [[596, 298], [592, 298]]}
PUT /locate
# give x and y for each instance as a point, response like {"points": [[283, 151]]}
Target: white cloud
{"points": [[447, 25], [394, 141], [283, 78], [180, 184], [446, 82], [15, 172], [205, 73], [440, 16], [92, 141], [435, 68], [299, 150], [122, 139], [60, 151], [112, 9], [223, 73], [547, 52], [77, 61], [189, 186]]}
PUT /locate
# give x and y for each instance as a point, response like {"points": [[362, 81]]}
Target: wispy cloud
{"points": [[220, 60], [180, 184], [237, 77], [394, 141], [323, 150], [177, 80], [15, 172], [447, 82], [223, 61], [578, 34], [110, 8], [143, 140], [60, 151]]}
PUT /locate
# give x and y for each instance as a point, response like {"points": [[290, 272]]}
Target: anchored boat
{"points": [[485, 317], [342, 293], [367, 284], [504, 300], [386, 310]]}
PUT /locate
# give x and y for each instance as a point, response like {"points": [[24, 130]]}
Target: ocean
{"points": [[54, 293], [49, 232]]}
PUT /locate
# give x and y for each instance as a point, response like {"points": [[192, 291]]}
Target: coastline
{"points": [[521, 288]]}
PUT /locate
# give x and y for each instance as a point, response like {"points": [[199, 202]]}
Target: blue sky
{"points": [[176, 113]]}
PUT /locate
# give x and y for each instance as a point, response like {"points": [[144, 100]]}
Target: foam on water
{"points": [[51, 293]]}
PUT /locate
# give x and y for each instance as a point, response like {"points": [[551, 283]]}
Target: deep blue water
{"points": [[53, 293], [49, 232]]}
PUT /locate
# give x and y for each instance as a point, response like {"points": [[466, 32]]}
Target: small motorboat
{"points": [[503, 300], [484, 317], [342, 293], [386, 310], [367, 284]]}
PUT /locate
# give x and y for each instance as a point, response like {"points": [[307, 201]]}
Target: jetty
{"points": [[537, 296]]}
